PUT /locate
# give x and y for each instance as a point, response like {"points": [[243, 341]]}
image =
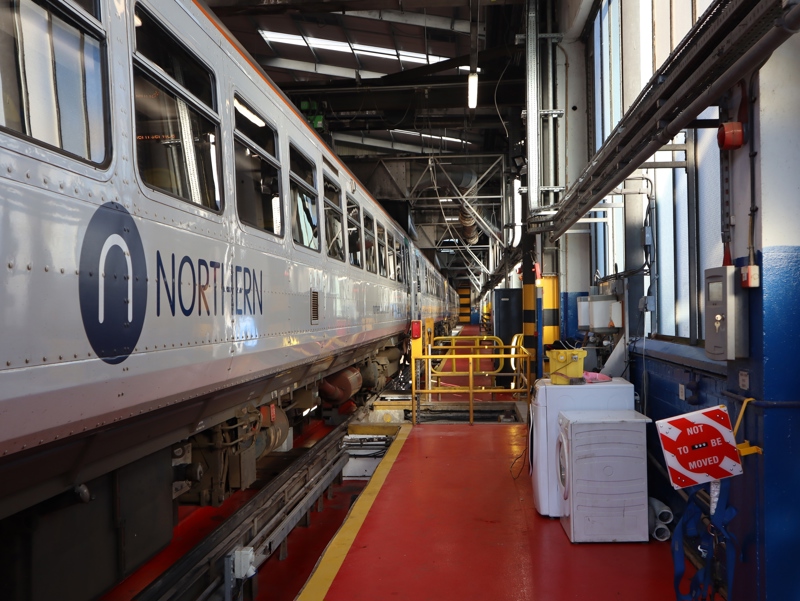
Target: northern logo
{"points": [[112, 283]]}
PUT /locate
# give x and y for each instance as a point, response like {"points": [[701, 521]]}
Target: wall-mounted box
{"points": [[726, 315]]}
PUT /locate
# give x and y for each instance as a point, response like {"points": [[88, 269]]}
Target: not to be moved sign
{"points": [[699, 447]]}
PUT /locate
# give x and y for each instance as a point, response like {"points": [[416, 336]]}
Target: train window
{"points": [[258, 194], [90, 6], [302, 167], [52, 78], [369, 243], [334, 234], [354, 232], [399, 252], [177, 136], [305, 216], [176, 144], [257, 131], [390, 248], [258, 198], [382, 250], [330, 166], [154, 43]]}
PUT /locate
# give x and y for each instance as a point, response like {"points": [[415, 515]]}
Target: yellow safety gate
{"points": [[436, 358]]}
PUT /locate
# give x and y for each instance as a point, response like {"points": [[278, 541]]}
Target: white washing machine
{"points": [[550, 399], [602, 475]]}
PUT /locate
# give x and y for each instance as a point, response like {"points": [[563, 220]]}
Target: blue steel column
{"points": [[767, 525], [769, 489]]}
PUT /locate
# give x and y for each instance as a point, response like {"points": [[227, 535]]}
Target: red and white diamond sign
{"points": [[699, 447]]}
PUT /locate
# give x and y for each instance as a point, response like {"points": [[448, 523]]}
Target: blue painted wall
{"points": [[778, 304], [656, 370], [767, 495], [569, 314]]}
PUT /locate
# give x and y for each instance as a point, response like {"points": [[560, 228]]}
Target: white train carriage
{"points": [[435, 298], [179, 249]]}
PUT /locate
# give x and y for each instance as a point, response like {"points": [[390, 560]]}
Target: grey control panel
{"points": [[726, 315]]}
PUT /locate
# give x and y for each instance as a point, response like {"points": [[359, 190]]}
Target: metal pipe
{"points": [[549, 85], [760, 51], [764, 404], [532, 101]]}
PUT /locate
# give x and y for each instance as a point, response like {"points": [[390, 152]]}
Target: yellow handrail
{"points": [[455, 349]]}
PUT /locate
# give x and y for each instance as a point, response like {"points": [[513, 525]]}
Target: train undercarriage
{"points": [[119, 489]]}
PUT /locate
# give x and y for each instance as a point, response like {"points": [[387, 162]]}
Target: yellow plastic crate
{"points": [[566, 364]]}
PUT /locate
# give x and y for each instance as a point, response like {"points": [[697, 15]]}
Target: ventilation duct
{"points": [[469, 229]]}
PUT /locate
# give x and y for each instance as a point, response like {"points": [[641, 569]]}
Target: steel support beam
{"points": [[421, 20], [307, 67], [267, 7], [481, 222], [363, 140]]}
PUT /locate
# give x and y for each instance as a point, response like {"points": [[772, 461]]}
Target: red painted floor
{"points": [[452, 522]]}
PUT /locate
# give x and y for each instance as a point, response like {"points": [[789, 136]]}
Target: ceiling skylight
{"points": [[420, 134], [274, 37]]}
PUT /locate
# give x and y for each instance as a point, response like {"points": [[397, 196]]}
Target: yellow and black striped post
{"points": [[551, 330], [464, 305], [529, 311], [529, 339]]}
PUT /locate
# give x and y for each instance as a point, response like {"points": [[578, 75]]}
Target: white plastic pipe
{"points": [[662, 512], [658, 530]]}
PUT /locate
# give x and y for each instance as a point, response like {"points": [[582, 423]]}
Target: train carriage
{"points": [[180, 250]]}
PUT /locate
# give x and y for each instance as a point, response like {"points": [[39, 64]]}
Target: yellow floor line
{"points": [[332, 559]]}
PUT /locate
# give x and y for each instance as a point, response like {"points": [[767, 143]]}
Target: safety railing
{"points": [[447, 347], [468, 365]]}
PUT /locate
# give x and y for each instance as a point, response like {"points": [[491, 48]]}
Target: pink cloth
{"points": [[592, 377]]}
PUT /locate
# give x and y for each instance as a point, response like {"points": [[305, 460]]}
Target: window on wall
{"points": [[305, 226], [354, 233], [258, 194], [683, 177], [608, 220], [687, 226], [177, 129], [370, 252], [52, 77], [607, 65], [334, 234]]}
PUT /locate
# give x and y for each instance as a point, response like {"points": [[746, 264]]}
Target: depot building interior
{"points": [[584, 153], [610, 186]]}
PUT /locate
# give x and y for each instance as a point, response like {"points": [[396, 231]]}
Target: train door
{"points": [[415, 284]]}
